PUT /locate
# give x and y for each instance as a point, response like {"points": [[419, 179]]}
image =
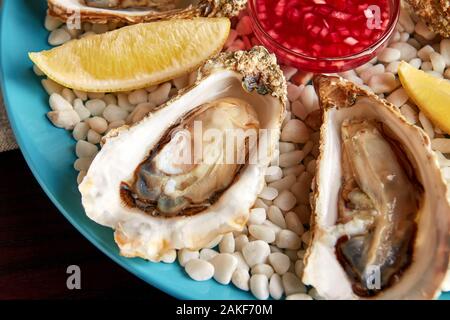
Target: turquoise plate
{"points": [[49, 151]]}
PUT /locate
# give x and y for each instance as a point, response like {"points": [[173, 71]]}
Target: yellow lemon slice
{"points": [[430, 94], [134, 57]]}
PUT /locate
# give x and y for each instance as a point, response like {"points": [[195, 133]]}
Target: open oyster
{"points": [[381, 216], [137, 11], [191, 170]]}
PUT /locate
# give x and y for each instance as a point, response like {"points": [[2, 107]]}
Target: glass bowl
{"points": [[324, 64]]}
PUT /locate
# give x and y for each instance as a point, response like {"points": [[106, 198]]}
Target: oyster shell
{"points": [[66, 9], [156, 203], [381, 216], [435, 13]]}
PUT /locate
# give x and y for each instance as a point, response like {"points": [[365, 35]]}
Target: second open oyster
{"points": [[381, 215], [106, 11]]}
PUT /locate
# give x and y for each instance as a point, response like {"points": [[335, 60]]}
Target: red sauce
{"points": [[324, 28]]}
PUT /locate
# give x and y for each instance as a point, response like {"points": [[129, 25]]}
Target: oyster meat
{"points": [[137, 11], [381, 216], [192, 169], [435, 13]]}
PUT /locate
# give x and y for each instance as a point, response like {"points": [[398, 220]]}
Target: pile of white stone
{"points": [[267, 256]]}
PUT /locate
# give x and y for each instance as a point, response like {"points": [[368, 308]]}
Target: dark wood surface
{"points": [[37, 245]]}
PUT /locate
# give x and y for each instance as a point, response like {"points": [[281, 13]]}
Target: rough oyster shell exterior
{"points": [[65, 10]]}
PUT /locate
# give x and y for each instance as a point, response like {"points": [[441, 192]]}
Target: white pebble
{"points": [[82, 164], [256, 252], [257, 216], [435, 74], [84, 149], [424, 52], [445, 50], [294, 170], [80, 131], [299, 296], [68, 95], [309, 99], [293, 223], [240, 242], [284, 183], [273, 173], [140, 112], [422, 30], [306, 238], [184, 255], [58, 37], [80, 95], [98, 124], [280, 262], [285, 200], [276, 216], [227, 243], [407, 51], [52, 23], [241, 264], [66, 119], [214, 242], [405, 20], [114, 113], [268, 193], [393, 67], [262, 268], [288, 71], [273, 226], [290, 159], [295, 131], [96, 106], [58, 103], [426, 66], [383, 82], [110, 99], [79, 108], [115, 124], [224, 266], [389, 55], [138, 96], [160, 95], [292, 284], [207, 254], [426, 124], [299, 110], [370, 72], [441, 144], [288, 239], [51, 86], [261, 232], [241, 279], [199, 270], [294, 92], [276, 289], [124, 103], [181, 82], [259, 286], [81, 176], [299, 267], [438, 62], [398, 98], [415, 63], [409, 113], [93, 137]]}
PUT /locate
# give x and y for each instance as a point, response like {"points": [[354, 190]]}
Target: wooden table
{"points": [[37, 245]]}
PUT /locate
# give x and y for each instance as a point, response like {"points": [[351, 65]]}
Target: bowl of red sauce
{"points": [[324, 36]]}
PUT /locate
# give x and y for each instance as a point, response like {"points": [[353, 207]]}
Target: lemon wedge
{"points": [[430, 94], [134, 57]]}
